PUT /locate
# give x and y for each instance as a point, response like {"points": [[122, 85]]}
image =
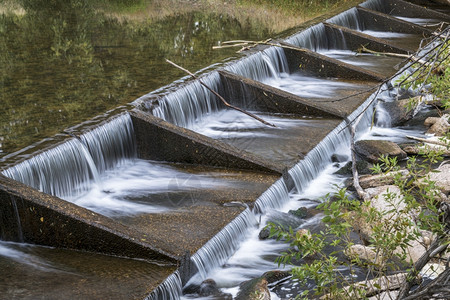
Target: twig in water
{"points": [[220, 97]]}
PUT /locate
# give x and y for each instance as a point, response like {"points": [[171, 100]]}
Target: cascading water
{"points": [[218, 249], [111, 143], [350, 19], [170, 289], [275, 197], [377, 5], [316, 39], [67, 170], [189, 104], [268, 63]]}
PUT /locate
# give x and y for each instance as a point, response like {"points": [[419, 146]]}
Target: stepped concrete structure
{"points": [[171, 237]]}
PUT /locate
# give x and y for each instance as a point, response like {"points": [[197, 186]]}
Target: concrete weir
{"points": [[213, 167]]}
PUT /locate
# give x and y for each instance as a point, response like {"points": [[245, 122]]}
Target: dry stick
{"points": [[251, 44], [220, 97], [427, 141], [361, 193], [410, 57]]}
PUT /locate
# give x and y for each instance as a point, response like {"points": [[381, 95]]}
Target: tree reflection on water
{"points": [[66, 61]]}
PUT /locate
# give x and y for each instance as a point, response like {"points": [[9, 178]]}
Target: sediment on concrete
{"points": [[354, 40], [30, 216], [264, 98], [383, 22], [162, 141], [324, 66], [410, 10]]}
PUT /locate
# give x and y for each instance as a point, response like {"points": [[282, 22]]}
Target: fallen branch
{"points": [[428, 141], [220, 97], [361, 193], [373, 287], [410, 57], [251, 44], [435, 249]]}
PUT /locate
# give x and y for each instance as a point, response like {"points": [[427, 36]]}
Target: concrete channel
{"points": [[243, 172]]}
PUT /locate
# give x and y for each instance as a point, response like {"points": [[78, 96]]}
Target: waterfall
{"points": [[274, 197], [377, 5], [316, 39], [261, 65], [218, 249], [189, 104], [349, 18], [170, 289], [315, 161], [67, 170], [19, 224], [110, 143]]}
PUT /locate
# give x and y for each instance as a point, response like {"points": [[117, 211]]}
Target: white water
{"points": [[170, 289], [69, 169], [128, 188]]}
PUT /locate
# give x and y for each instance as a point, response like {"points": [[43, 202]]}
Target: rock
{"points": [[208, 288], [371, 150], [371, 181], [399, 111], [275, 276], [410, 149], [383, 203], [441, 176], [439, 127], [432, 270], [284, 220], [430, 121], [362, 167], [364, 253], [301, 212], [255, 289], [264, 234], [338, 158]]}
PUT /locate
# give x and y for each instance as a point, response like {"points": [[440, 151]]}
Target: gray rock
{"points": [[399, 111], [255, 289], [371, 150]]}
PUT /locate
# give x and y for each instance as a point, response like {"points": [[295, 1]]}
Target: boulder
{"points": [[363, 253], [275, 276], [371, 150], [208, 288], [338, 158], [255, 289], [361, 166], [441, 176], [438, 126], [304, 212], [400, 111], [384, 203], [371, 181]]}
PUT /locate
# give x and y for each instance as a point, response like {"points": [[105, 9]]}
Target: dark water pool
{"points": [[63, 62]]}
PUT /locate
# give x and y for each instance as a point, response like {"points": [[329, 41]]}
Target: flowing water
{"points": [[107, 177]]}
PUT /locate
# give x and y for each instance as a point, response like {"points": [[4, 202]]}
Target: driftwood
{"points": [[435, 248], [373, 287], [439, 143], [410, 57], [361, 193], [220, 97], [246, 45]]}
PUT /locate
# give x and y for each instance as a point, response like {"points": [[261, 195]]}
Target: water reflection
{"points": [[62, 62]]}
